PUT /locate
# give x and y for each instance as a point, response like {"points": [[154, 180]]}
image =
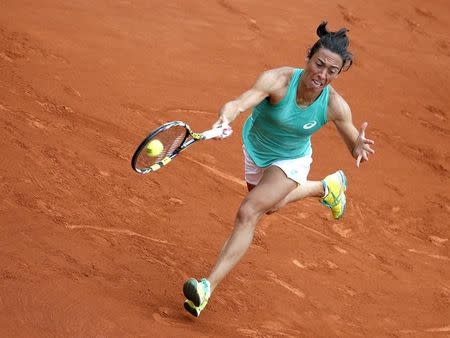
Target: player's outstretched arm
{"points": [[267, 82], [356, 141]]}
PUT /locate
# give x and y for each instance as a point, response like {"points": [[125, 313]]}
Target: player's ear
{"points": [[307, 54], [347, 65]]}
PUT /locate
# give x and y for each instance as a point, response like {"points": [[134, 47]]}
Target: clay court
{"points": [[89, 248]]}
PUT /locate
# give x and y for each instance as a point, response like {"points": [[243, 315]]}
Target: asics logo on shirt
{"points": [[309, 125]]}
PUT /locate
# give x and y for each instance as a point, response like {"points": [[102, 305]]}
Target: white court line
{"points": [[435, 329], [292, 289], [219, 173], [439, 329], [119, 231], [306, 227], [445, 258]]}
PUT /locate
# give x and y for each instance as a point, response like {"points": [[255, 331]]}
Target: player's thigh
{"points": [[273, 187]]}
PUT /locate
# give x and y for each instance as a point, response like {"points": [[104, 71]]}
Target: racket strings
{"points": [[170, 138]]}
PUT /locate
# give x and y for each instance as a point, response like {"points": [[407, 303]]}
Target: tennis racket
{"points": [[173, 137]]}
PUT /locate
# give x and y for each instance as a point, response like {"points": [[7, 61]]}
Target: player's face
{"points": [[322, 68]]}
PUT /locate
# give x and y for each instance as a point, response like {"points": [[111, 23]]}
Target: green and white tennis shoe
{"points": [[197, 294]]}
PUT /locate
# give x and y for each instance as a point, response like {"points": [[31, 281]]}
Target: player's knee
{"points": [[248, 213]]}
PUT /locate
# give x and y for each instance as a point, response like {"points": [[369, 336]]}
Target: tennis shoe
{"points": [[192, 309], [335, 184], [197, 291], [197, 294]]}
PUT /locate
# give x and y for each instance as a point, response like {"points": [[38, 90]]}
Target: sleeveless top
{"points": [[282, 131]]}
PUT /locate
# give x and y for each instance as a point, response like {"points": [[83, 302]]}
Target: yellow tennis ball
{"points": [[154, 148]]}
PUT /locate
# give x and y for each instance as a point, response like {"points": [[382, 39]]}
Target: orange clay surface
{"points": [[90, 248]]}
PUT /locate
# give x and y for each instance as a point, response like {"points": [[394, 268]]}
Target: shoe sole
{"points": [[190, 291], [191, 310], [344, 179], [344, 183]]}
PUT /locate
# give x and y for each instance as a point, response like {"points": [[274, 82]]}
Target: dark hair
{"points": [[336, 42]]}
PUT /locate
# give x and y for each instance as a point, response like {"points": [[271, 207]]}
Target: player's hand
{"points": [[222, 122], [362, 148]]}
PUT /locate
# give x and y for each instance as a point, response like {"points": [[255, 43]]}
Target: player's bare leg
{"points": [[273, 188], [274, 191], [331, 191], [308, 189]]}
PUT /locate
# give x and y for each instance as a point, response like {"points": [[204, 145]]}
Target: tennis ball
{"points": [[154, 148]]}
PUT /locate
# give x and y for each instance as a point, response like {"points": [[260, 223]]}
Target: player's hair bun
{"points": [[322, 29], [341, 34]]}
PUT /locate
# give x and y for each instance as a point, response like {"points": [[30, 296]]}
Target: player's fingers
{"points": [[362, 130], [217, 124], [368, 149], [366, 140], [227, 131], [220, 122], [358, 160]]}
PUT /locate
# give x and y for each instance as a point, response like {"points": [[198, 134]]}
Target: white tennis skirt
{"points": [[296, 169]]}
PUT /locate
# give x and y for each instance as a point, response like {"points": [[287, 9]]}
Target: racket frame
{"points": [[189, 138]]}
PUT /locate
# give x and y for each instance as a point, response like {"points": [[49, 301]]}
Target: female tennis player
{"points": [[289, 105]]}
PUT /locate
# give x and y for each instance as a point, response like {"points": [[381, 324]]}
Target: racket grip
{"points": [[221, 132]]}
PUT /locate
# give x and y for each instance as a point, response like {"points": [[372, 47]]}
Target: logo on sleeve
{"points": [[309, 125]]}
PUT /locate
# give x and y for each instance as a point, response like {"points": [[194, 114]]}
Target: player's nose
{"points": [[323, 74]]}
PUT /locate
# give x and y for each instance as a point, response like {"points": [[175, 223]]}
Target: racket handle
{"points": [[221, 132]]}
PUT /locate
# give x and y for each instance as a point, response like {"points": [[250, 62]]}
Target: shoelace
{"points": [[335, 199]]}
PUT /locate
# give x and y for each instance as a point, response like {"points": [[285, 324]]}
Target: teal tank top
{"points": [[282, 131]]}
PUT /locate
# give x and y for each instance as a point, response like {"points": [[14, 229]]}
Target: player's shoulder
{"points": [[279, 72], [336, 99], [276, 78], [337, 105]]}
